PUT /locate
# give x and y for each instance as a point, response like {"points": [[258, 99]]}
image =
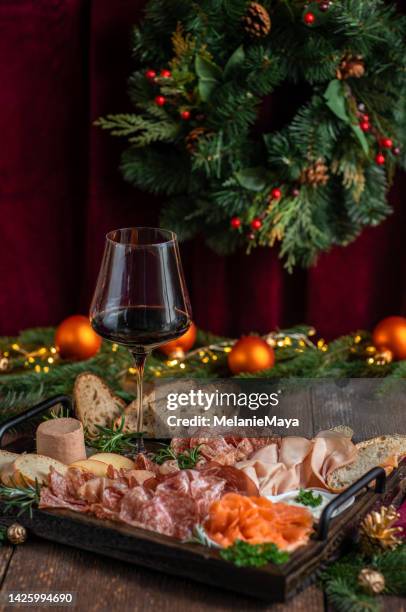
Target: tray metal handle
{"points": [[377, 473], [34, 411]]}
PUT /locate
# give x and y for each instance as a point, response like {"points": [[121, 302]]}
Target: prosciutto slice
{"points": [[296, 462]]}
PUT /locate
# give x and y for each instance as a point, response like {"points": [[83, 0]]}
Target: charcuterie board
{"points": [[273, 583]]}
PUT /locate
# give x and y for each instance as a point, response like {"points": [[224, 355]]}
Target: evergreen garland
{"points": [[297, 355], [205, 70]]}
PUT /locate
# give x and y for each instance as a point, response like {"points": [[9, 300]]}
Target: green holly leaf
{"points": [[253, 179], [361, 137], [209, 75], [234, 61], [335, 100]]}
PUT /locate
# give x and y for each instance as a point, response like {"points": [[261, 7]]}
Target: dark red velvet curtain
{"points": [[62, 64]]}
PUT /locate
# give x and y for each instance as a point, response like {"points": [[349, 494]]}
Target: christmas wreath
{"points": [[201, 91]]}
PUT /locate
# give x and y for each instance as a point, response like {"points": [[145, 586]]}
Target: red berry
{"points": [[150, 75], [251, 236], [160, 100], [185, 115], [386, 143], [365, 126], [256, 224], [396, 150], [235, 222], [324, 6], [295, 192], [380, 159], [365, 118], [166, 74], [276, 193], [309, 18]]}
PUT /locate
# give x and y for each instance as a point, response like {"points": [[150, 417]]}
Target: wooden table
{"points": [[103, 584]]}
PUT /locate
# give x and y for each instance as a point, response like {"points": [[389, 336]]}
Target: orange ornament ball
{"points": [[390, 334], [250, 354], [76, 339], [180, 346]]}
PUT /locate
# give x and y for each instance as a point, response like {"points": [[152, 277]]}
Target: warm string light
{"points": [[42, 359], [206, 355], [38, 360]]}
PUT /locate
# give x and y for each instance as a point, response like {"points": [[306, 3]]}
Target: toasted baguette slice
{"points": [[98, 468], [130, 419], [7, 466], [29, 467], [6, 457], [95, 403], [117, 461], [384, 451]]}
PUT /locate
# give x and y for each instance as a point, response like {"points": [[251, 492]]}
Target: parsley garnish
{"points": [[308, 498], [243, 554]]}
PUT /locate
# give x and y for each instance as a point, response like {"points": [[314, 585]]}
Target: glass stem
{"points": [[139, 359]]}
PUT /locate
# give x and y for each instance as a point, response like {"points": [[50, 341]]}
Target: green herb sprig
{"points": [[308, 498], [186, 460], [244, 554], [22, 497], [115, 440]]}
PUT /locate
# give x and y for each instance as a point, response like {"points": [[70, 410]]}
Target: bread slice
{"points": [[30, 467], [130, 418], [384, 451], [6, 458], [117, 461], [95, 403], [7, 466]]}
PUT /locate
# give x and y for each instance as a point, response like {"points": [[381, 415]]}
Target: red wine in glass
{"points": [[140, 300]]}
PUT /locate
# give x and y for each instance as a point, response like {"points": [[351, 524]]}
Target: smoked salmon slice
{"points": [[257, 520]]}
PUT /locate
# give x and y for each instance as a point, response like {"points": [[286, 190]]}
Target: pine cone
{"points": [[377, 531], [256, 21], [316, 174], [192, 139], [371, 581], [351, 66]]}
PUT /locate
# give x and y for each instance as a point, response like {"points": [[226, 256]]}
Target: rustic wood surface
{"points": [[103, 584]]}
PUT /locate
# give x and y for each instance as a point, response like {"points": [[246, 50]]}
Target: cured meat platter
{"points": [[271, 582]]}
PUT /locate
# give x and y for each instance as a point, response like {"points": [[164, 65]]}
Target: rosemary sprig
{"points": [[308, 498], [22, 497], [115, 440], [186, 460], [57, 413], [244, 554]]}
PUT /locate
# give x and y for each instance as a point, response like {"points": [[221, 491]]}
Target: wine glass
{"points": [[140, 300]]}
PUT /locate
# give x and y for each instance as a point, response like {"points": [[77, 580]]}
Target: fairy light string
{"points": [[42, 359]]}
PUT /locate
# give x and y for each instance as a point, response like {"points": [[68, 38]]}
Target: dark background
{"points": [[63, 63]]}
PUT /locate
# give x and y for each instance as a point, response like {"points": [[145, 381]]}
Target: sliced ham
{"points": [[296, 462]]}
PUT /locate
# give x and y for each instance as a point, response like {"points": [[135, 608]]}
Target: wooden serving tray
{"points": [[271, 583]]}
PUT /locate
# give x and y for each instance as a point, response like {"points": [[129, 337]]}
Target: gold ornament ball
{"points": [[371, 581], [390, 334], [250, 354], [16, 533], [76, 339], [180, 346]]}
